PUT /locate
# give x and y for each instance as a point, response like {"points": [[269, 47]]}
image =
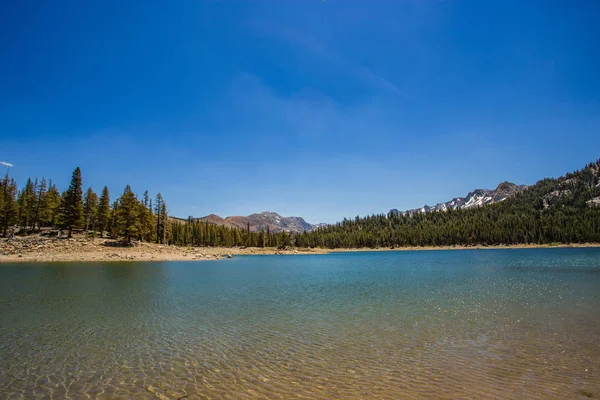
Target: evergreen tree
{"points": [[90, 209], [113, 224], [26, 204], [160, 219], [103, 212], [129, 221], [9, 211], [41, 204], [165, 225], [147, 232], [50, 212], [72, 204]]}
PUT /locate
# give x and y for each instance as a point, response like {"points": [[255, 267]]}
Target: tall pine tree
{"points": [[41, 203], [160, 221], [103, 213], [51, 210], [10, 211], [72, 204], [129, 222], [26, 202], [90, 208]]}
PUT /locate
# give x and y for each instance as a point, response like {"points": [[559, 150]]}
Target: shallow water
{"points": [[427, 324]]}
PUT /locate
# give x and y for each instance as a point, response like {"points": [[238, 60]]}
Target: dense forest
{"points": [[563, 210]]}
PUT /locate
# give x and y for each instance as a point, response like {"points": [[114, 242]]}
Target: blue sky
{"points": [[322, 109]]}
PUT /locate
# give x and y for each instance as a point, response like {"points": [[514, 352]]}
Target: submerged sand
{"points": [[51, 249]]}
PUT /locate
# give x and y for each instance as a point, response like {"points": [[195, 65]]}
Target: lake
{"points": [[417, 324]]}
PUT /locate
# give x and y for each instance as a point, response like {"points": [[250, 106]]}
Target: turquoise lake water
{"points": [[420, 324]]}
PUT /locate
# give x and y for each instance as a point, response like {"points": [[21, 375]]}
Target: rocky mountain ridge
{"points": [[266, 220], [476, 198]]}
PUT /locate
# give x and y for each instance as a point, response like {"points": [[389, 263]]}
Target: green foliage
{"points": [[161, 219], [129, 216], [90, 209], [27, 204], [199, 233], [71, 209], [50, 210], [103, 212], [553, 210], [9, 210], [113, 224], [147, 218], [41, 202]]}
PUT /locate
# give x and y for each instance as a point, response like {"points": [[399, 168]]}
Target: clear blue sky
{"points": [[322, 109]]}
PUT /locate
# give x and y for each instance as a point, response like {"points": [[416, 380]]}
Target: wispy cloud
{"points": [[327, 55], [6, 164], [308, 123]]}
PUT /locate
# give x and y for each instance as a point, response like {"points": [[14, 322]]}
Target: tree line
{"points": [[39, 204], [553, 210]]}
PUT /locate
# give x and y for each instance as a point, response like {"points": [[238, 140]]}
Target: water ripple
{"points": [[445, 325]]}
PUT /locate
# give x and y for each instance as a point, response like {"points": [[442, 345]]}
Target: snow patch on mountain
{"points": [[476, 198]]}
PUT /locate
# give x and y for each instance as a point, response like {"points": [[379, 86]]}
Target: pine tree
{"points": [[129, 222], [103, 212], [72, 204], [160, 221], [165, 219], [10, 209], [90, 208], [113, 224], [147, 218], [41, 204], [26, 204], [51, 211]]}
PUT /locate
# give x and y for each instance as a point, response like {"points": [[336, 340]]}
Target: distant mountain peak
{"points": [[476, 198]]}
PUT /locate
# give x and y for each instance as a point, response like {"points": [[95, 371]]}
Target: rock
{"points": [[595, 202], [229, 256]]}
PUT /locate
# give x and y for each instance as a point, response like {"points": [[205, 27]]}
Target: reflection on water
{"points": [[451, 324]]}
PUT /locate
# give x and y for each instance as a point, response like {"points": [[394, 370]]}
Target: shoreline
{"points": [[477, 247], [37, 249]]}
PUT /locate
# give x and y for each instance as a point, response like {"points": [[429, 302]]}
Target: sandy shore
{"points": [[44, 249]]}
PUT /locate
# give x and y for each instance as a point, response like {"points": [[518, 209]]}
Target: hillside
{"points": [[562, 210]]}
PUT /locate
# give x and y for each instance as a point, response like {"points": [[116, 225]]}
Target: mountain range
{"points": [[574, 191], [268, 220], [265, 220], [476, 198]]}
